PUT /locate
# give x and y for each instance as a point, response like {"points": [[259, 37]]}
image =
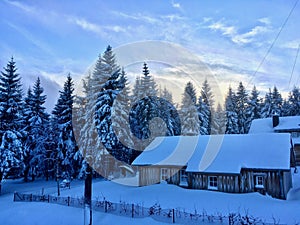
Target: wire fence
{"points": [[137, 210]]}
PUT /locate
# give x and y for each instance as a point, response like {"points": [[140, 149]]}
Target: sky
{"points": [[255, 42]]}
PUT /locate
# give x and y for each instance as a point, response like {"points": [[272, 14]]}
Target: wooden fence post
{"points": [[132, 210], [48, 198], [173, 215], [105, 206], [68, 200]]}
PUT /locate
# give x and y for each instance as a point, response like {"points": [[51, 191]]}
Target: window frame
{"points": [[183, 178], [212, 182], [259, 181], [164, 174]]}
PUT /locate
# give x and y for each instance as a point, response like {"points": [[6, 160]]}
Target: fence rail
{"points": [[137, 210]]}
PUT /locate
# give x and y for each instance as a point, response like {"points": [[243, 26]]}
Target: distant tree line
{"points": [[111, 118]]}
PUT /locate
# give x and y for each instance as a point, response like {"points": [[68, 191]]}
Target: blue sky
{"points": [[52, 38]]}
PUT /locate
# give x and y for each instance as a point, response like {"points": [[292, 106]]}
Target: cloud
{"points": [[292, 44], [224, 29], [22, 6], [248, 37], [233, 32], [176, 5], [265, 20], [137, 16], [86, 25]]}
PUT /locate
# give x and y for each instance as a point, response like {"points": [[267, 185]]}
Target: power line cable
{"points": [[294, 67], [271, 46]]}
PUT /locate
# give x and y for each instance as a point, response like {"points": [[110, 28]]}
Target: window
{"points": [[259, 181], [213, 183], [164, 174], [183, 178]]}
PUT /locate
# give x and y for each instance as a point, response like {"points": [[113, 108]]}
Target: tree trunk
{"points": [[26, 171], [88, 197]]}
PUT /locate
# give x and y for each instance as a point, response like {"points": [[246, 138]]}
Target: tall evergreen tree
{"points": [[37, 128], [189, 113], [267, 107], [153, 116], [145, 107], [166, 94], [11, 113], [294, 102], [254, 107], [207, 104], [137, 91], [241, 108], [276, 102], [120, 121], [89, 141], [231, 115], [219, 121], [67, 147], [104, 103], [285, 108], [148, 84], [204, 115]]}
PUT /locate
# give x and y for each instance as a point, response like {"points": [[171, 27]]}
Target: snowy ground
{"points": [[168, 196]]}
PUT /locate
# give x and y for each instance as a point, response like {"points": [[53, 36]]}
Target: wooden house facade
{"points": [[236, 164]]}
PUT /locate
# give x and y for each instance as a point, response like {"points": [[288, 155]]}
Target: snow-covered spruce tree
{"points": [[231, 115], [294, 102], [204, 116], [120, 121], [254, 107], [189, 113], [241, 109], [166, 94], [27, 139], [66, 149], [267, 106], [147, 82], [37, 129], [144, 107], [276, 102], [152, 116], [219, 120], [173, 123], [103, 115], [11, 113], [137, 91], [285, 110], [89, 141], [208, 103], [104, 103]]}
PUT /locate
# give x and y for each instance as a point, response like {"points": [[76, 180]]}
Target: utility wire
{"points": [[271, 46], [294, 67]]}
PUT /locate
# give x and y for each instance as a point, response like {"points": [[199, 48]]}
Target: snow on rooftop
{"points": [[168, 151], [220, 153], [265, 125]]}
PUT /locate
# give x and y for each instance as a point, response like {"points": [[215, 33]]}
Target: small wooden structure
{"points": [[227, 163]]}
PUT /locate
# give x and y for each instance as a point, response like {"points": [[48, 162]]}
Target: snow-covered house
{"points": [[276, 124], [227, 163]]}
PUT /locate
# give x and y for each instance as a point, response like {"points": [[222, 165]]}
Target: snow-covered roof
{"points": [[175, 150], [219, 153], [265, 125]]}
